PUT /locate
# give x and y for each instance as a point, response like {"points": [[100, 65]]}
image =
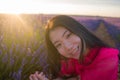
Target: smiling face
{"points": [[67, 43]]}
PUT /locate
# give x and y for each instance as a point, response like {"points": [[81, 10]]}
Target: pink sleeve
{"points": [[105, 66]]}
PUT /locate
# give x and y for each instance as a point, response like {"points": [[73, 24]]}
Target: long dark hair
{"points": [[88, 39]]}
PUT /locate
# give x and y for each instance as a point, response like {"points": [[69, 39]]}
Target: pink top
{"points": [[99, 64]]}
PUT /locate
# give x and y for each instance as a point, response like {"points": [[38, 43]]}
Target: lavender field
{"points": [[22, 47]]}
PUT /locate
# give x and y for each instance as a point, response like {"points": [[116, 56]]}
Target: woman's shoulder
{"points": [[106, 56], [106, 52], [109, 50]]}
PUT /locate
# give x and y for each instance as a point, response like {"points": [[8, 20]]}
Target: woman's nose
{"points": [[68, 45]]}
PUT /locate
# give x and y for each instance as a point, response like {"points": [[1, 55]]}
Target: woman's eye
{"points": [[68, 35], [58, 45]]}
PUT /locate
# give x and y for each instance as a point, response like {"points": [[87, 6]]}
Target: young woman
{"points": [[74, 51]]}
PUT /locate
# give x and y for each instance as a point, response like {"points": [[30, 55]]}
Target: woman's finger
{"points": [[34, 77], [41, 76], [30, 77]]}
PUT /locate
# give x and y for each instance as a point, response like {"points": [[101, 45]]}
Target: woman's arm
{"points": [[41, 76]]}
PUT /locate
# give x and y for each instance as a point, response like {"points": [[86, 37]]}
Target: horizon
{"points": [[103, 8]]}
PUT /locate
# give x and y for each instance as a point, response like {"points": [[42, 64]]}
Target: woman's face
{"points": [[67, 43]]}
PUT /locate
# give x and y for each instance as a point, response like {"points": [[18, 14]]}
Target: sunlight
{"points": [[47, 7], [16, 26], [53, 7], [17, 7]]}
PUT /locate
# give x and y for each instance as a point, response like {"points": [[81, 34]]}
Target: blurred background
{"points": [[22, 23]]}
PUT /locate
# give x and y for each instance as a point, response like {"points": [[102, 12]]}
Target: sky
{"points": [[108, 8]]}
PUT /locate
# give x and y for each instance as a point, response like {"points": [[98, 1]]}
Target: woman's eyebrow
{"points": [[64, 33]]}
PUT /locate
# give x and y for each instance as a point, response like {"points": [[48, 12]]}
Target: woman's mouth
{"points": [[75, 51]]}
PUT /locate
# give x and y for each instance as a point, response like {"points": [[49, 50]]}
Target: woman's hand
{"points": [[38, 76]]}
